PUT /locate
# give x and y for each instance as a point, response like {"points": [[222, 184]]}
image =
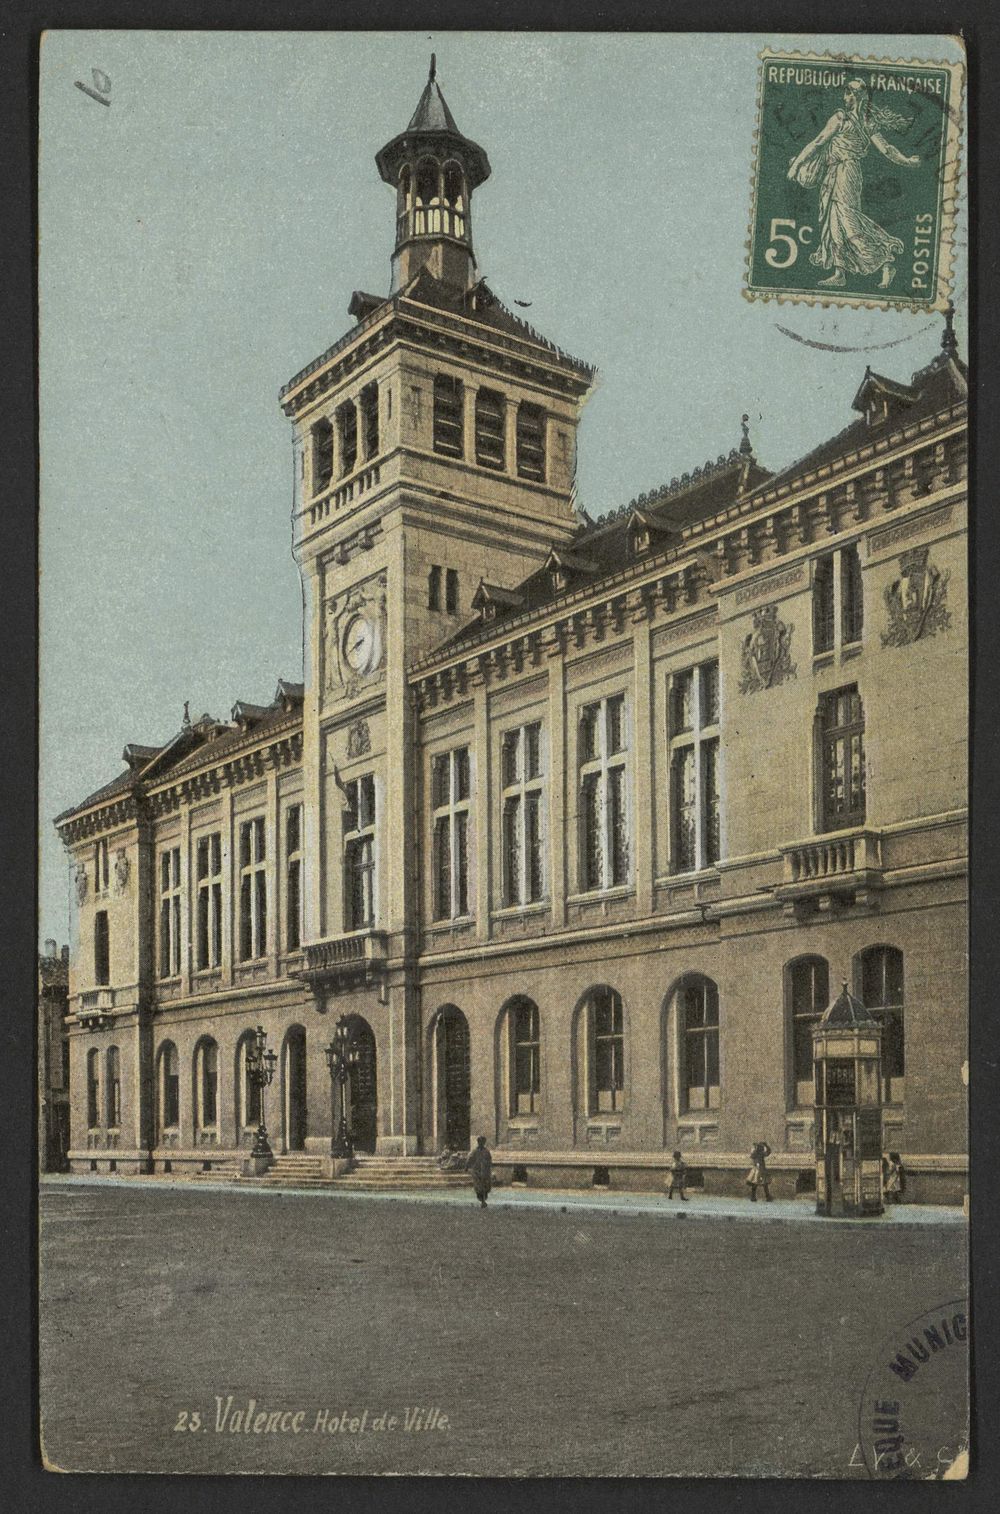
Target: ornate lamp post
{"points": [[260, 1071], [341, 1055]]}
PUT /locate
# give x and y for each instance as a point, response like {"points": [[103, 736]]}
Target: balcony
{"points": [[343, 961], [826, 871], [96, 1008]]}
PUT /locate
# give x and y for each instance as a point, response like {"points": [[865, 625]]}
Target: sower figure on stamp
{"points": [[850, 241], [480, 1164], [678, 1176], [758, 1177]]}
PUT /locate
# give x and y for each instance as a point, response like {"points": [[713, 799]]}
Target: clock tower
{"points": [[434, 451]]}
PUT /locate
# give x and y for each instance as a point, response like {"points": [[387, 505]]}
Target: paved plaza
{"points": [[190, 1327]]}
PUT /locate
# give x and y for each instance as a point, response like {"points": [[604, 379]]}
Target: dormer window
{"points": [[878, 410]]}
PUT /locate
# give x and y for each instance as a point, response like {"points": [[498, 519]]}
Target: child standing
{"points": [[678, 1177]]}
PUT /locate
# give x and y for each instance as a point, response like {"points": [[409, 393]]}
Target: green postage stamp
{"points": [[854, 181]]}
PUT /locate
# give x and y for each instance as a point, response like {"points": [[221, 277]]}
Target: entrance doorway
{"points": [[364, 1087], [295, 1089], [451, 1053]]}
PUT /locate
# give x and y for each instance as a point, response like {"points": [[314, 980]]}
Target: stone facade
{"points": [[577, 821]]}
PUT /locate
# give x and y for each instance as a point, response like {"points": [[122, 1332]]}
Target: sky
{"points": [[199, 241]]}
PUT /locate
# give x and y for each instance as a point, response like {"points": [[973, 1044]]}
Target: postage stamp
{"points": [[855, 176]]}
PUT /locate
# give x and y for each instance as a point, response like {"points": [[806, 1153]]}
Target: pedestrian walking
{"points": [[480, 1164], [758, 1177], [678, 1177], [893, 1177]]}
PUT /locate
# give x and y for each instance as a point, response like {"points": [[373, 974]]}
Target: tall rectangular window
{"points": [[208, 878], [881, 971], [451, 591], [695, 820], [531, 442], [170, 912], [852, 605], [448, 419], [93, 1089], [838, 600], [322, 455], [522, 799], [450, 800], [347, 427], [359, 853], [102, 948], [293, 877], [434, 587], [102, 866], [490, 424], [526, 1080], [253, 889], [822, 605], [842, 759], [369, 420], [603, 753]]}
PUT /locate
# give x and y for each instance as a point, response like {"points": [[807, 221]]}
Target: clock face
{"points": [[361, 644]]}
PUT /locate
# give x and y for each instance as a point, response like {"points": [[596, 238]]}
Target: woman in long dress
{"points": [[850, 241]]}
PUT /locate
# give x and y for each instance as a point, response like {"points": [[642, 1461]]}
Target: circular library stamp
{"points": [[855, 181], [913, 1416]]}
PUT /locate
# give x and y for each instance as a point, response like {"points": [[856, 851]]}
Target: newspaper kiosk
{"points": [[847, 1062]]}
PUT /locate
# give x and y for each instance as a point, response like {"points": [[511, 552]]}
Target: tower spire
{"points": [[433, 168], [949, 342]]}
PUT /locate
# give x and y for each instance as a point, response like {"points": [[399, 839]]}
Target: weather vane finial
{"points": [[746, 446], [434, 69], [949, 341]]}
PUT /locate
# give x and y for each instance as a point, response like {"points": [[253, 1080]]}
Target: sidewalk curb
{"points": [[780, 1212]]}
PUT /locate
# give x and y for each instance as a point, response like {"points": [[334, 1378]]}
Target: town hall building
{"points": [[580, 824]]}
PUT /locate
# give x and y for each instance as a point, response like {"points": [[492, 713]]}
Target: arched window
{"points": [[206, 1085], [427, 216], [404, 203], [169, 1088], [93, 1089], [369, 420], [113, 1088], [879, 980], [698, 1033], [347, 431], [604, 1029], [525, 1063], [454, 197], [247, 1092], [807, 994]]}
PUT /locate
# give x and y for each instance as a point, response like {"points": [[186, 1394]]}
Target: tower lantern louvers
{"points": [[433, 168]]}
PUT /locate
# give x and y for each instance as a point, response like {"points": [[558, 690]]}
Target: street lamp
{"points": [[260, 1071], [341, 1055]]}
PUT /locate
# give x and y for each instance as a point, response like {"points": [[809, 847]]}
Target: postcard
{"points": [[503, 987]]}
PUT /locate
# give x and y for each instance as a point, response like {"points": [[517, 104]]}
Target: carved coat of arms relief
{"points": [[916, 600], [766, 654]]}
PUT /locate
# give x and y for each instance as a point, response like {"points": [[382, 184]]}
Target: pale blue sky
{"points": [[199, 242]]}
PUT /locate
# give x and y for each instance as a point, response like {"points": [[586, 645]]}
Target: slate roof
{"points": [[203, 742], [941, 384]]}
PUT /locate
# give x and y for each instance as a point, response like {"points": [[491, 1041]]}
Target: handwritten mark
{"points": [[102, 86]]}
